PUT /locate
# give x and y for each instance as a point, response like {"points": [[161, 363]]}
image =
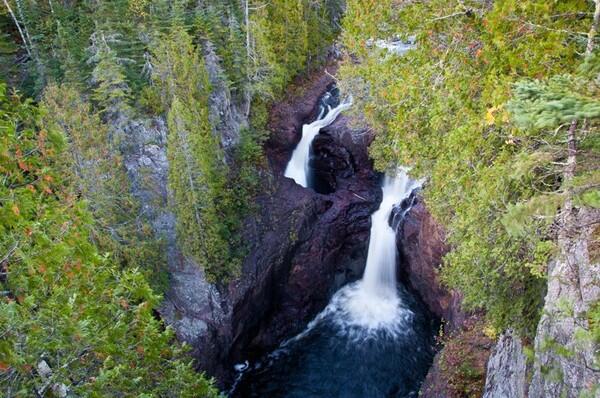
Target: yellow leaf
{"points": [[489, 116]]}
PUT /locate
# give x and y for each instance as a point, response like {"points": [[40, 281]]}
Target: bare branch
{"points": [[16, 21], [593, 30]]}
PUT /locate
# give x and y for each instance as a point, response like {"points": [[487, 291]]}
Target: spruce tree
{"points": [[198, 175], [72, 321], [110, 89]]}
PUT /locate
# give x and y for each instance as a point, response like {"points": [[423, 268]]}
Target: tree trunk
{"points": [[247, 95], [593, 30], [16, 21], [568, 174], [569, 171]]}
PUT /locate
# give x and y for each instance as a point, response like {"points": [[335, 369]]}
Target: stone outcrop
{"points": [[507, 369], [564, 349], [304, 247], [421, 242], [565, 352]]}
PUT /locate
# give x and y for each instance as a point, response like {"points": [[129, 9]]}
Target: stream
{"points": [[374, 338]]}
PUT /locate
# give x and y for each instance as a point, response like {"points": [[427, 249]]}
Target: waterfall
{"points": [[379, 279], [372, 305], [372, 339], [298, 168]]}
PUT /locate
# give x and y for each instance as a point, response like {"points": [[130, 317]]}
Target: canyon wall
{"points": [[302, 245]]}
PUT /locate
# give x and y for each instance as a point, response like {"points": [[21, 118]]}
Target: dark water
{"points": [[332, 359]]}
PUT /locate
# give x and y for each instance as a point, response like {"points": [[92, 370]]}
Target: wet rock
{"points": [[287, 117], [339, 153], [421, 242], [306, 245]]}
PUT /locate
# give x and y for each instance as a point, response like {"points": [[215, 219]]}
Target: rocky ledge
{"points": [[459, 367]]}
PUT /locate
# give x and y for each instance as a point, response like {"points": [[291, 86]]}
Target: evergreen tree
{"points": [[206, 215], [72, 322], [110, 89]]}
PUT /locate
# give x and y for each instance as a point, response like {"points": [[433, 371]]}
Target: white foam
{"points": [[297, 168]]}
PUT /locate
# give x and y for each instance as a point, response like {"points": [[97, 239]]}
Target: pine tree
{"points": [[110, 89], [72, 321], [198, 175]]}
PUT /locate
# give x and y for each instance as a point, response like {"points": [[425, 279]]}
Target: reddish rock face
{"points": [[303, 245], [458, 370], [287, 116], [421, 241]]}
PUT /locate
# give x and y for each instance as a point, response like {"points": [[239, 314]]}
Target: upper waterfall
{"points": [[298, 166]]}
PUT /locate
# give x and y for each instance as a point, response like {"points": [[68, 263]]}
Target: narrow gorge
{"points": [[335, 275], [300, 199]]}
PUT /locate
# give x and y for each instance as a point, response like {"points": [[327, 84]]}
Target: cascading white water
{"points": [[371, 333], [373, 303], [297, 168], [379, 279], [372, 307]]}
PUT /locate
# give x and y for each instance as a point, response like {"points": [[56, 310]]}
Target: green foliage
{"points": [[110, 89], [65, 305], [442, 109], [220, 24], [96, 173], [288, 38], [150, 101], [116, 54], [538, 104], [554, 104], [9, 70], [198, 175]]}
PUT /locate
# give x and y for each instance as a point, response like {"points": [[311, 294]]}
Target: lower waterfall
{"points": [[374, 339]]}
